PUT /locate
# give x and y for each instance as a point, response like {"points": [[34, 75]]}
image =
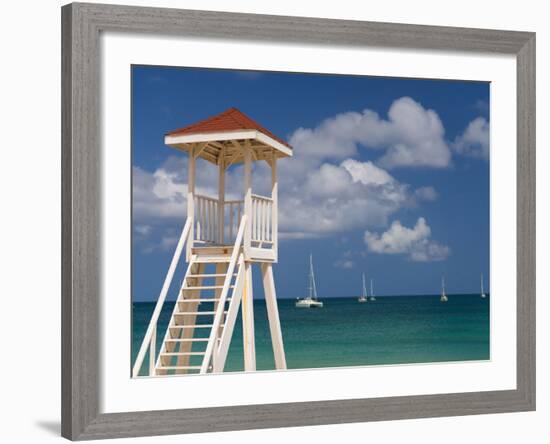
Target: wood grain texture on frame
{"points": [[81, 234]]}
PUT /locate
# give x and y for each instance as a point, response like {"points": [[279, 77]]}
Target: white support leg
{"points": [[248, 322], [248, 202], [273, 317], [191, 202], [221, 198]]}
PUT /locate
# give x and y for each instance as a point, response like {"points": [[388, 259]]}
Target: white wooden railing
{"points": [[211, 227], [207, 219], [233, 212], [149, 341], [262, 221]]}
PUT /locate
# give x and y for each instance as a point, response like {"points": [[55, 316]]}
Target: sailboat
{"points": [[372, 297], [483, 295], [311, 300], [444, 297], [364, 295]]}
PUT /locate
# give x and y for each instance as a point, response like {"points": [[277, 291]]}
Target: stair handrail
{"points": [[160, 301], [223, 296]]}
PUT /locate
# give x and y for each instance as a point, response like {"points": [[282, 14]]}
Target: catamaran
{"points": [[364, 295], [483, 295], [311, 300], [372, 297], [444, 297]]}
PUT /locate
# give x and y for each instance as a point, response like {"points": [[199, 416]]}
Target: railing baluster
{"points": [[262, 211], [260, 219], [239, 209], [231, 222], [254, 219], [205, 219], [264, 221], [214, 220], [198, 221], [259, 216], [268, 221], [208, 220]]}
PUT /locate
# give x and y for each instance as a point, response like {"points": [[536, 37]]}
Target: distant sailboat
{"points": [[444, 297], [372, 297], [311, 300], [483, 295], [364, 295]]}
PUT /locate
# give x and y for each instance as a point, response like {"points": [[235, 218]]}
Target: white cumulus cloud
{"points": [[337, 198], [474, 141], [345, 264], [414, 242], [410, 136], [428, 194]]}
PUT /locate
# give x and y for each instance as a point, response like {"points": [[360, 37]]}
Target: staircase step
{"points": [[212, 249], [183, 354], [194, 326], [179, 327], [178, 367], [205, 287], [208, 275], [189, 313], [188, 340], [212, 259], [203, 300]]}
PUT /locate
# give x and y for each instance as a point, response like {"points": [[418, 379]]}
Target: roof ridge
{"points": [[232, 111], [239, 119], [199, 122]]}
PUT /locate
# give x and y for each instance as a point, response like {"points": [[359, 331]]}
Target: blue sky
{"points": [[390, 176]]}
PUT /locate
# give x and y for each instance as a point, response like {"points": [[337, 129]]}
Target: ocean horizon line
{"points": [[345, 297]]}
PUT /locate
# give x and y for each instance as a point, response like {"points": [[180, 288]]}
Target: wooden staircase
{"points": [[192, 343], [218, 281]]}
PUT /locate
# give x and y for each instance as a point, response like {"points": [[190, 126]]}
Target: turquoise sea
{"points": [[390, 330]]}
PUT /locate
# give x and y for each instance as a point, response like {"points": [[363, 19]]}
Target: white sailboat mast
{"points": [[312, 286], [371, 289], [442, 285], [481, 283], [365, 294]]}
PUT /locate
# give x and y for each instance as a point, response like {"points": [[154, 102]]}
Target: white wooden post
{"points": [[274, 206], [273, 317], [248, 201], [221, 197], [191, 201], [248, 321]]}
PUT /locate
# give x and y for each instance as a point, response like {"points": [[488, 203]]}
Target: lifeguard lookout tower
{"points": [[222, 240]]}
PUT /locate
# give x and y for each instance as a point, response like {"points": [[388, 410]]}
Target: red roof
{"points": [[229, 120]]}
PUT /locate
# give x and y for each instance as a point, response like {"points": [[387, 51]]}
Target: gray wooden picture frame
{"points": [[81, 232]]}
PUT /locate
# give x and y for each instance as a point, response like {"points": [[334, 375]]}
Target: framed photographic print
{"points": [[279, 221]]}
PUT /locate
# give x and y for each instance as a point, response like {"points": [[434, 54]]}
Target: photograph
{"points": [[285, 221]]}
